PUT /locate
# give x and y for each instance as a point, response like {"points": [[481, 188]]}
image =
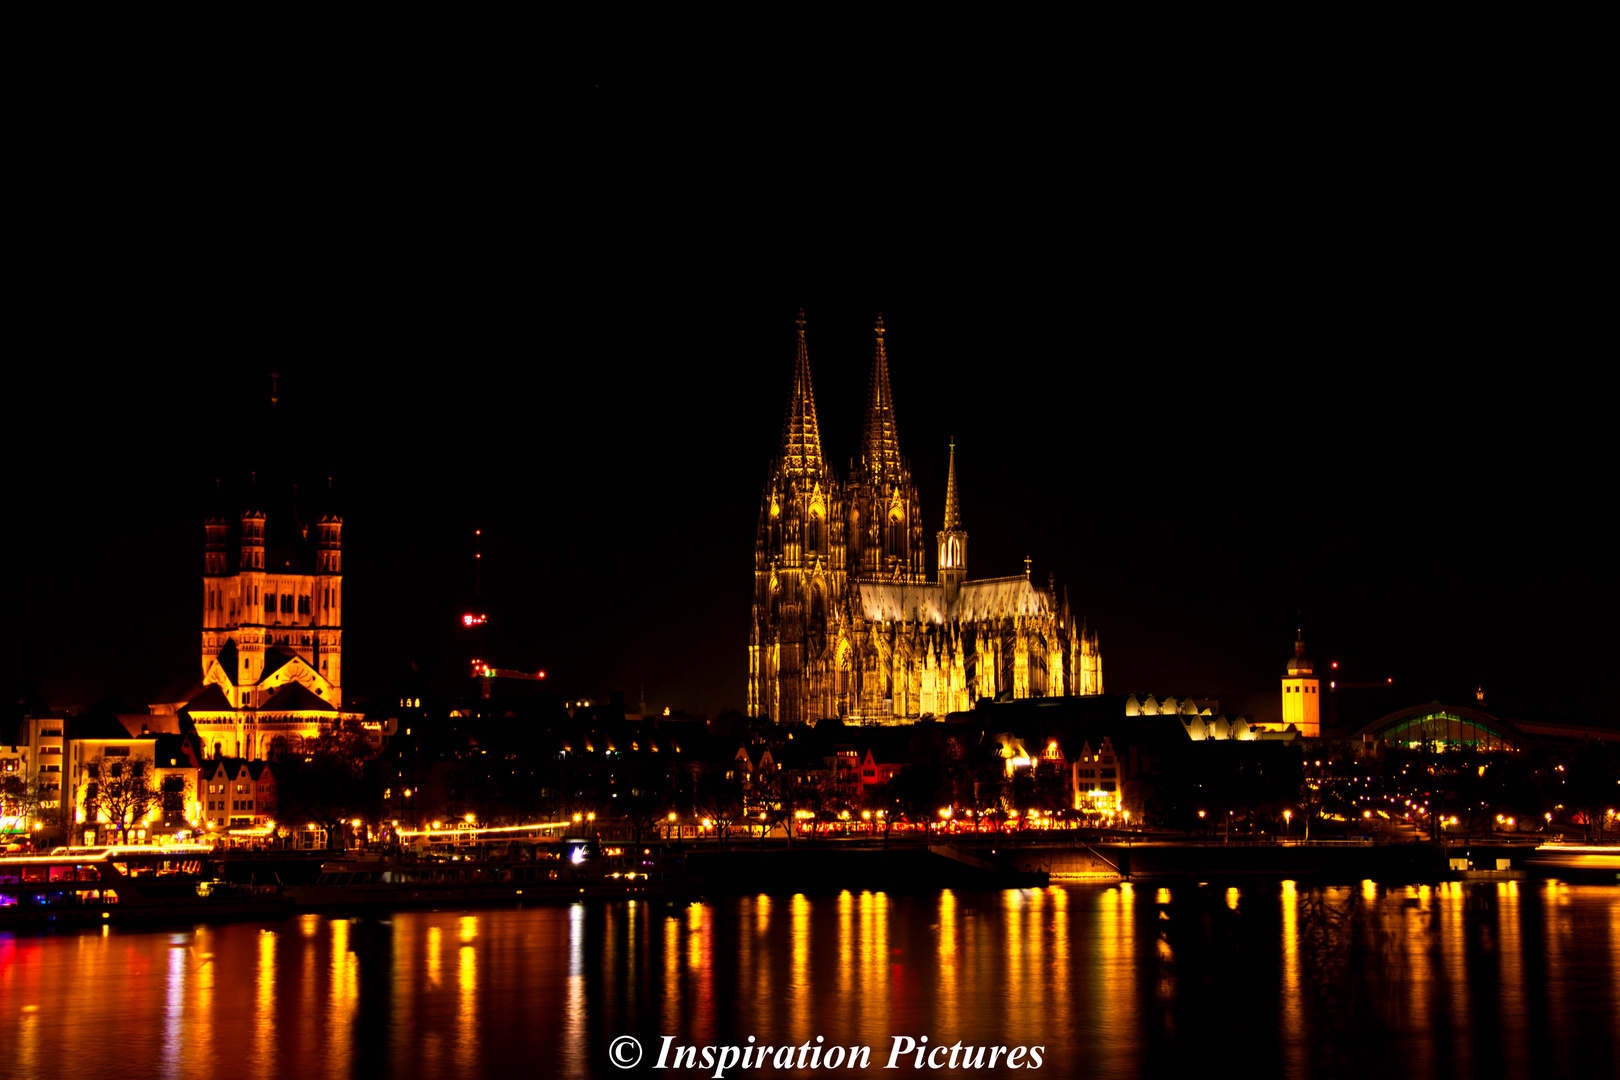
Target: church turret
{"points": [[952, 540], [329, 550], [252, 557], [1301, 705]]}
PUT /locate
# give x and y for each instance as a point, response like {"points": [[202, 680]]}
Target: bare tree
{"points": [[121, 791], [22, 797]]}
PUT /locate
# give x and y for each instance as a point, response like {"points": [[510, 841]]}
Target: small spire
{"points": [[1299, 643], [953, 512], [1026, 567]]}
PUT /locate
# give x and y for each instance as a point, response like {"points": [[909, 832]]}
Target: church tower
{"points": [[1301, 705], [885, 523], [798, 567], [952, 540]]}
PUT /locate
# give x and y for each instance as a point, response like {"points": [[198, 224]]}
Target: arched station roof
{"points": [[1453, 726]]}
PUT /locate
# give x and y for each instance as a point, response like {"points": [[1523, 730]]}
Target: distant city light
{"points": [[474, 620]]}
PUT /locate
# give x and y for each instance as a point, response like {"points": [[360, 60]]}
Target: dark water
{"points": [[1470, 980]]}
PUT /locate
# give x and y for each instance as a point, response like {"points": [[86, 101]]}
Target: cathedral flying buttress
{"points": [[846, 622]]}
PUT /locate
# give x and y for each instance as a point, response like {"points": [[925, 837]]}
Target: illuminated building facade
{"points": [[113, 742], [1302, 706], [237, 793], [272, 632], [32, 753], [845, 620]]}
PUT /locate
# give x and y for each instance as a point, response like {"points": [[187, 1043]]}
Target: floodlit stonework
{"points": [[272, 637], [846, 621]]}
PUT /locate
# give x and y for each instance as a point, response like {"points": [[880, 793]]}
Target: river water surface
{"points": [[1470, 980]]}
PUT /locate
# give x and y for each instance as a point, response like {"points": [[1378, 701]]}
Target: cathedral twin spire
{"points": [[801, 435], [882, 444]]}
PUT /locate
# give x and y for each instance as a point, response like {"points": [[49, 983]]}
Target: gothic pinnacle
{"points": [[953, 513]]}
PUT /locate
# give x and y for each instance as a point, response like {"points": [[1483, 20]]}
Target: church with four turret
{"points": [[847, 621]]}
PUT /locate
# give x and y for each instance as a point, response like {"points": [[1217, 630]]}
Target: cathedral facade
{"points": [[847, 622]]}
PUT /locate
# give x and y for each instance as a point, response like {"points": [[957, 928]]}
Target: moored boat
{"points": [[126, 884]]}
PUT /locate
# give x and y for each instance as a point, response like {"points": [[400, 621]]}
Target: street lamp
{"points": [[1288, 820]]}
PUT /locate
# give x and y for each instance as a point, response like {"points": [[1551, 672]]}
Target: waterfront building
{"points": [[1097, 784], [238, 794], [1301, 704], [845, 620], [32, 755], [113, 742]]}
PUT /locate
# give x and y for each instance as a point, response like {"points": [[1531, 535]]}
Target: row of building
{"points": [[51, 766]]}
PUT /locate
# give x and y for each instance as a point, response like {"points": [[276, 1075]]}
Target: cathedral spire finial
{"points": [[953, 513], [801, 435], [883, 460]]}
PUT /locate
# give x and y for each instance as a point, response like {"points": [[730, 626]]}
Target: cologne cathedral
{"points": [[846, 620]]}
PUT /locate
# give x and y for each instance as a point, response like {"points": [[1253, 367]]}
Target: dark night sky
{"points": [[1296, 375]]}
